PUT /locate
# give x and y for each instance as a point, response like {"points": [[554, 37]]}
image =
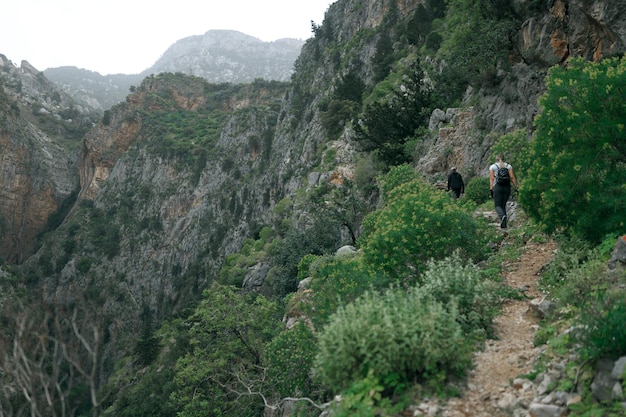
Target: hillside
{"points": [[261, 248]]}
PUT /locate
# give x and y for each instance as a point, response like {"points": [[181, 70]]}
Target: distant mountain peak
{"points": [[230, 56]]}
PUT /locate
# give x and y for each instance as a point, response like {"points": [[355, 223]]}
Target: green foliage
{"points": [[335, 283], [572, 252], [417, 224], [477, 190], [234, 270], [586, 409], [515, 147], [453, 282], [544, 334], [386, 125], [321, 238], [603, 321], [408, 335], [365, 173], [341, 206], [84, 264], [148, 396], [189, 133], [365, 398], [236, 265], [289, 357], [472, 59], [350, 87], [336, 116], [107, 239], [396, 176], [420, 26], [384, 57], [582, 283], [183, 133], [304, 266], [147, 347], [227, 334], [575, 182]]}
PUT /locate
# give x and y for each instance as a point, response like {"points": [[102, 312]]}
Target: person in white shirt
{"points": [[500, 186]]}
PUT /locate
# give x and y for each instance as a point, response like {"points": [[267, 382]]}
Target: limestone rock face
{"points": [[38, 150], [35, 178], [574, 28]]}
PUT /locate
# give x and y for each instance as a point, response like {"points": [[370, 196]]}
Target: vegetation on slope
{"points": [[355, 310], [230, 354]]}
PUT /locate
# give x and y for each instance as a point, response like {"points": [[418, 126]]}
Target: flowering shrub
{"points": [[419, 223]]}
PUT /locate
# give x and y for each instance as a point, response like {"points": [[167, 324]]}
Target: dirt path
{"points": [[512, 353]]}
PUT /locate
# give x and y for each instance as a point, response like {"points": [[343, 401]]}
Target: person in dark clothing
{"points": [[455, 183], [501, 191]]}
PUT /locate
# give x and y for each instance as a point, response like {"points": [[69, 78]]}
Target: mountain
{"points": [[116, 230], [99, 91], [219, 56]]}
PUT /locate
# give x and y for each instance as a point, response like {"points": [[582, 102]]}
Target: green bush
{"points": [[417, 224], [573, 183], [335, 283], [603, 321], [582, 283], [365, 398], [396, 176], [477, 190], [84, 264], [451, 282], [572, 252], [398, 333], [289, 357]]}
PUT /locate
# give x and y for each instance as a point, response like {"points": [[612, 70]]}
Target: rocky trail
{"points": [[492, 389]]}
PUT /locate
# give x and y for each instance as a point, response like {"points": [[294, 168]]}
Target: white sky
{"points": [[128, 36]]}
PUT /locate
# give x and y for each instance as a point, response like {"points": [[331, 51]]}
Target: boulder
{"points": [[541, 308], [617, 262], [603, 385], [346, 250], [255, 277], [619, 369], [547, 410]]}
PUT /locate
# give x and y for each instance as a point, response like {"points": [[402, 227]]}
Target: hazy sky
{"points": [[128, 36]]}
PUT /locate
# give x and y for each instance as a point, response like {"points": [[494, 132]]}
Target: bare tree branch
{"points": [[249, 386]]}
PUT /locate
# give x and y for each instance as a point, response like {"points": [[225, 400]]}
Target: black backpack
{"points": [[502, 176]]}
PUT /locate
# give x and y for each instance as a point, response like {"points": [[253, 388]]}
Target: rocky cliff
{"points": [[40, 137], [547, 36], [158, 212]]}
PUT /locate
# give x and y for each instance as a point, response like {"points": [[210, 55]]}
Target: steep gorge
{"points": [[160, 207]]}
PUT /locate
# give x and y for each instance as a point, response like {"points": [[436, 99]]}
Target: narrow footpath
{"points": [[512, 353]]}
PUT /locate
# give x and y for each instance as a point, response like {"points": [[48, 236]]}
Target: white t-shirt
{"points": [[494, 167]]}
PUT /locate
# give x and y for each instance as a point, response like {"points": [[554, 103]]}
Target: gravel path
{"points": [[512, 353]]}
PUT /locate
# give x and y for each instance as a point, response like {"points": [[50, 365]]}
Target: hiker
{"points": [[501, 177], [455, 183]]}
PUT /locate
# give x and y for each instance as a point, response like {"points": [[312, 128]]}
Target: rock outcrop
{"points": [[39, 136]]}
